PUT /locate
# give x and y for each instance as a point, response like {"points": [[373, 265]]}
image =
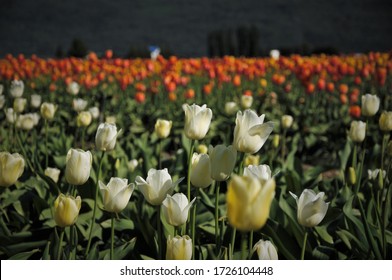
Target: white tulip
{"points": [[265, 250], [156, 186], [311, 208], [79, 104], [179, 248], [262, 172], [10, 115], [246, 101], [35, 100], [287, 121], [78, 166], [2, 101], [19, 104], [370, 105], [11, 168], [176, 208], [94, 112], [201, 170], [197, 121], [16, 88], [73, 88], [357, 131], [116, 194], [52, 173], [132, 164], [48, 110], [250, 133], [223, 161], [106, 137], [231, 108], [162, 128]]}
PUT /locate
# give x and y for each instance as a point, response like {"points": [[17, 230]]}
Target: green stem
{"points": [[381, 178], [304, 245], [232, 243], [159, 227], [283, 152], [112, 238], [24, 152], [159, 153], [189, 169], [217, 234], [83, 135], [193, 220], [241, 166], [250, 243], [359, 177], [243, 246], [354, 162], [95, 204], [46, 144], [60, 244], [385, 214]]}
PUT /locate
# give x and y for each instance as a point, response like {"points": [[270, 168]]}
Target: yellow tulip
{"points": [[179, 248], [84, 119], [66, 210], [249, 201], [48, 110], [162, 128], [11, 168], [385, 121]]}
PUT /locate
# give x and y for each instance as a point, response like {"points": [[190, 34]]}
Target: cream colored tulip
{"points": [[66, 210], [202, 149], [250, 133], [176, 208], [53, 173], [73, 88], [223, 161], [179, 248], [287, 121], [27, 121], [370, 105], [265, 250], [11, 168], [197, 121], [84, 119], [162, 128], [105, 139], [10, 115], [262, 172], [35, 100], [249, 201], [275, 54], [16, 88], [385, 121], [19, 104], [201, 170], [246, 101], [94, 112], [116, 194], [357, 131], [79, 104], [110, 119], [231, 108], [251, 160], [311, 208], [48, 110], [78, 166], [157, 185], [132, 164]]}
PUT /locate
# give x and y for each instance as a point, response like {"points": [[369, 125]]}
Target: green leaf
{"points": [[24, 255]]}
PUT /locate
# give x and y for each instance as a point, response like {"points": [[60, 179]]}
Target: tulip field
{"points": [[283, 157]]}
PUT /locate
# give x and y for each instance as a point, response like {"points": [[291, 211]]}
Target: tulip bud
{"points": [[84, 119], [357, 131], [311, 208], [11, 168], [52, 173], [157, 185], [106, 137], [73, 88], [116, 194], [48, 110], [231, 108], [251, 160], [78, 166], [249, 201], [132, 164], [352, 176], [265, 250], [287, 121], [79, 104], [17, 88], [162, 128], [110, 119], [197, 121], [370, 105], [250, 133], [19, 104], [10, 115], [179, 248], [223, 161], [246, 101], [94, 112], [275, 140], [176, 208], [385, 121], [35, 100], [201, 170], [261, 172], [202, 149], [66, 210]]}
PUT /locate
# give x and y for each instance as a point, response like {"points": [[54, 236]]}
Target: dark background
{"points": [[44, 27]]}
